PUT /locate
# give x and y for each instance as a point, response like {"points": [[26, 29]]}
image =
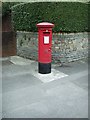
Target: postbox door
{"points": [[45, 48]]}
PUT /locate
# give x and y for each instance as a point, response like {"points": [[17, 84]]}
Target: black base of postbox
{"points": [[44, 68]]}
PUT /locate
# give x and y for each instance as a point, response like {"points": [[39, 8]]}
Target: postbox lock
{"points": [[49, 49]]}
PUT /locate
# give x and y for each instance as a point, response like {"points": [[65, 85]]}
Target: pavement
{"points": [[28, 94]]}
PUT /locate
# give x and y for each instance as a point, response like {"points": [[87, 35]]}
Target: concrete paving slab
{"points": [[73, 67], [0, 106], [33, 69], [53, 99], [26, 96], [19, 82], [20, 61], [82, 82], [0, 89], [4, 59], [50, 108], [54, 75], [15, 70], [67, 100]]}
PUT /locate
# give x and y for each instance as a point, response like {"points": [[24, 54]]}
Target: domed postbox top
{"points": [[45, 25]]}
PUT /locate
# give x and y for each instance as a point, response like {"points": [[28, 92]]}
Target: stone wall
{"points": [[65, 47]]}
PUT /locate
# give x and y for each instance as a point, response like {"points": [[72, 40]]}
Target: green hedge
{"points": [[67, 16], [6, 7]]}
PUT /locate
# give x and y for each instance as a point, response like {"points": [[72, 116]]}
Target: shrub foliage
{"points": [[6, 7], [67, 16]]}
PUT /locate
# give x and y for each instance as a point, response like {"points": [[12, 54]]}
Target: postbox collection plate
{"points": [[46, 39]]}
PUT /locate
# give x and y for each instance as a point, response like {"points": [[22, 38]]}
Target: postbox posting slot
{"points": [[46, 32], [46, 37]]}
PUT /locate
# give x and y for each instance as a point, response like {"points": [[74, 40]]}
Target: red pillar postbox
{"points": [[44, 47]]}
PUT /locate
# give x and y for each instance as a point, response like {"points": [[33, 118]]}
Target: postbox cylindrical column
{"points": [[44, 47]]}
